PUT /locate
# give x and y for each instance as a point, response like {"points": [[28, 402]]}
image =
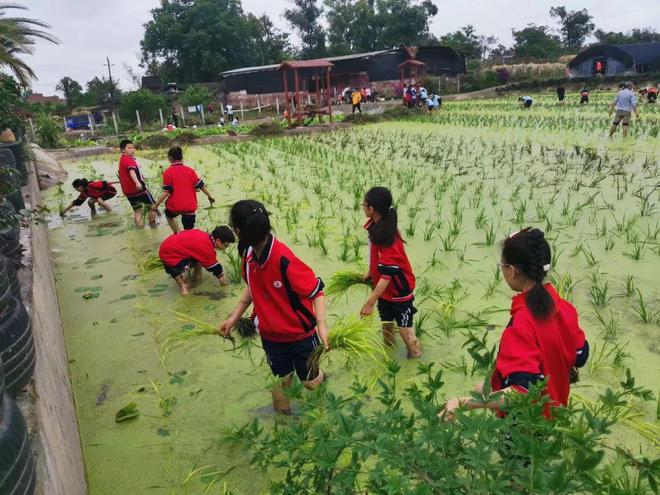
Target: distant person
{"points": [[652, 94], [180, 186], [561, 92], [356, 98], [369, 95], [230, 112], [423, 95], [95, 192], [133, 185], [584, 96], [192, 249], [175, 119], [430, 104], [407, 97], [625, 102], [234, 123], [526, 101], [221, 123]]}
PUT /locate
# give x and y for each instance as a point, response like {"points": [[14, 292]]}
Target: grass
{"points": [[149, 263], [342, 281]]}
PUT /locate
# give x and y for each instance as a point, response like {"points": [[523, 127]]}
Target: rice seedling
{"points": [[489, 233], [609, 324], [193, 328], [564, 284], [430, 229], [411, 226], [149, 263], [610, 242], [165, 403], [629, 286], [599, 291], [342, 281], [641, 309], [235, 265], [589, 256], [637, 250], [421, 321], [448, 242]]}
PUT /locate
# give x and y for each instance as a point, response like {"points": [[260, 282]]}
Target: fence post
{"points": [[277, 105], [34, 134], [458, 83], [183, 116], [114, 121], [137, 114], [162, 120], [222, 109], [259, 104], [91, 123], [201, 107], [66, 129]]}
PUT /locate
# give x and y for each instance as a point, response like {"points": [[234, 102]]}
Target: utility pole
{"points": [[112, 87]]}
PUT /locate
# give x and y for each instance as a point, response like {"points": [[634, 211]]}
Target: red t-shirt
{"points": [[541, 348], [126, 164], [282, 289], [95, 189], [190, 244], [182, 183], [391, 263]]}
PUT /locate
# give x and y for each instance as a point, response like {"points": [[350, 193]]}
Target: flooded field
{"points": [[461, 183]]}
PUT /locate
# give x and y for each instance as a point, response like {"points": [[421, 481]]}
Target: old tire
{"points": [[17, 349], [17, 467], [18, 151], [10, 244], [9, 286], [12, 176]]}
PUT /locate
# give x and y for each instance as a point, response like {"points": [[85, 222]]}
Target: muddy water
{"points": [[115, 319]]}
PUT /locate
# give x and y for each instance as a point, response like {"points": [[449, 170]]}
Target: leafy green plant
{"points": [[48, 131]]}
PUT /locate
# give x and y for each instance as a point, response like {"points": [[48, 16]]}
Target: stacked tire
{"points": [[17, 465], [18, 151], [9, 286], [17, 349], [11, 175], [10, 244]]}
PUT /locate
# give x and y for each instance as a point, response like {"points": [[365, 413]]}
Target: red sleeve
{"points": [[208, 257], [518, 352], [303, 280], [388, 264]]}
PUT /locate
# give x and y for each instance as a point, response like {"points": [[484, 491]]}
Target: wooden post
{"points": [[160, 113], [242, 114], [201, 107], [327, 75], [66, 129], [285, 81], [34, 134], [183, 116], [277, 105], [137, 114], [259, 104], [90, 117], [296, 102], [114, 121], [458, 83], [222, 109]]}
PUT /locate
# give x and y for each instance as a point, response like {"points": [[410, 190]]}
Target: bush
{"points": [[48, 131], [10, 96], [145, 102], [369, 443], [267, 129], [156, 141], [184, 137], [196, 95]]}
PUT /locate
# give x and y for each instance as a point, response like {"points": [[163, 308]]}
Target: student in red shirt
{"points": [[180, 185], [287, 296], [97, 191], [133, 185], [193, 249], [543, 338], [390, 272]]}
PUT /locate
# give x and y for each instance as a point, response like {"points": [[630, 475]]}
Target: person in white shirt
{"points": [[625, 102]]}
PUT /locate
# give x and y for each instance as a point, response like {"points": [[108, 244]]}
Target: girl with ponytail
{"points": [[289, 307], [98, 191], [543, 339], [390, 272]]}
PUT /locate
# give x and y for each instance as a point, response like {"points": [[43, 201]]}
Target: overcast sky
{"points": [[90, 30]]}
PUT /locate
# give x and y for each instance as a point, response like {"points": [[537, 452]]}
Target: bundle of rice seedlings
{"points": [[178, 337], [246, 328], [150, 262], [357, 339], [342, 281]]}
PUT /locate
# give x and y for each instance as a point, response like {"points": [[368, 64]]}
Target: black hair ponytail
{"points": [[80, 182], [252, 221], [383, 232], [528, 251]]}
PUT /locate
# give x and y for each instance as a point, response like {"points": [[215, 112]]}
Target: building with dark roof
{"points": [[349, 70], [612, 60]]}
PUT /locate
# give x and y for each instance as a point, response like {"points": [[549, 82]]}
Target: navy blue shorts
{"points": [[144, 198], [286, 357], [187, 219], [400, 312], [179, 268]]}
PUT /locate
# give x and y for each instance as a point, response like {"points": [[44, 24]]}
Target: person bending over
{"points": [[95, 192]]}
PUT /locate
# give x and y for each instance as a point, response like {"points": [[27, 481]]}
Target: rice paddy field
{"points": [[462, 180]]}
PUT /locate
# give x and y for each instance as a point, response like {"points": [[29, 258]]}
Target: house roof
{"points": [[319, 63], [631, 54], [412, 61]]}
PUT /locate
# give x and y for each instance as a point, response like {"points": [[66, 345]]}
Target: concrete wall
{"points": [[60, 463]]}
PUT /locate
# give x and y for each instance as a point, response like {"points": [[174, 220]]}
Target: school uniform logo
{"points": [[277, 284]]}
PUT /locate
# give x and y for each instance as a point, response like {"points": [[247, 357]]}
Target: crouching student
{"points": [[287, 297], [95, 192], [543, 338], [180, 186], [192, 249], [390, 272]]}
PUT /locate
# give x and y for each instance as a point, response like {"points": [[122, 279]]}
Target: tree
{"points": [[305, 19], [188, 41], [145, 102], [17, 37], [100, 91], [466, 42], [196, 95], [536, 42], [404, 23], [576, 25], [635, 36], [71, 90], [10, 103]]}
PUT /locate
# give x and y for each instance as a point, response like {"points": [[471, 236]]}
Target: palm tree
{"points": [[17, 37]]}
